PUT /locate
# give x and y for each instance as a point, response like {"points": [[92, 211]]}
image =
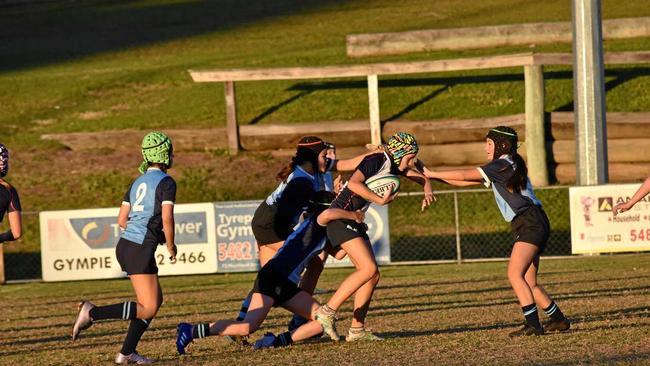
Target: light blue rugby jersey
{"points": [[496, 174], [145, 196]]}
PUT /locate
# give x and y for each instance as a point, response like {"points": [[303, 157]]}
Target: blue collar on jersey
{"points": [[311, 176]]}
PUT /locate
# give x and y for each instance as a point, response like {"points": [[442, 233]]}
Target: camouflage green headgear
{"points": [[400, 145], [156, 148]]}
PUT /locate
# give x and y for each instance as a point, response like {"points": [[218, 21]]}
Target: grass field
{"points": [[69, 66], [438, 314]]}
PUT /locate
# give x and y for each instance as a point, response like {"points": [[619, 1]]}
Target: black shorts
{"points": [[341, 231], [275, 285], [532, 226], [266, 229], [136, 258]]}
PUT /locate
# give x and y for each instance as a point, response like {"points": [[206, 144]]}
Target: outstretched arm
{"points": [[348, 165], [461, 178], [457, 183], [454, 182], [638, 195], [422, 180]]}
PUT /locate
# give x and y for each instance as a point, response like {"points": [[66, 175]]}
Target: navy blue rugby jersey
{"points": [[146, 196], [306, 242], [496, 174], [291, 198], [370, 166], [9, 200]]}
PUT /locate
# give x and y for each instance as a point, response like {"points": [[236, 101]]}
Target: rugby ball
{"points": [[381, 183]]}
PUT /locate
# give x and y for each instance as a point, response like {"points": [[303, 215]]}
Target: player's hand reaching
{"points": [[429, 197], [621, 207], [427, 200]]}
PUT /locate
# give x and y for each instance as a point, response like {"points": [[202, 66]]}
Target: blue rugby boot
{"points": [[183, 337]]}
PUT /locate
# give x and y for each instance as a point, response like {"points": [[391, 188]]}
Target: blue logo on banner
{"points": [[97, 232]]}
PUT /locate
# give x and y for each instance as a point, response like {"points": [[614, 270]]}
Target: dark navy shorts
{"points": [[266, 228], [532, 226], [341, 231], [272, 283], [136, 258]]}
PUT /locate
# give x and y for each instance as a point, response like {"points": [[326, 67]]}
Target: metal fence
{"points": [[461, 225], [467, 225]]}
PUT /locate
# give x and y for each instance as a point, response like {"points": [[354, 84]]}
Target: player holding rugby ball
{"points": [[394, 158]]}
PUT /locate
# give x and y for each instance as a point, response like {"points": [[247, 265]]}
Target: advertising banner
{"points": [[594, 229], [237, 248], [80, 244], [236, 245]]}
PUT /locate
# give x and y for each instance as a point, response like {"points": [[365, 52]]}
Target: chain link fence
{"points": [[461, 225], [22, 258], [467, 225]]}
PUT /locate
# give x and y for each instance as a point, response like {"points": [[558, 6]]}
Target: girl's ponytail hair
{"points": [[284, 173], [506, 143], [519, 179]]}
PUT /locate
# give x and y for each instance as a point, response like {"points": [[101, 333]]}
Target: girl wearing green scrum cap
{"points": [[507, 174], [147, 219]]}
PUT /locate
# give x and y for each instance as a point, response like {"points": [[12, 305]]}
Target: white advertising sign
{"points": [[594, 229], [80, 244]]}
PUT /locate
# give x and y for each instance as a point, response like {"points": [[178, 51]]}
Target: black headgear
{"points": [[309, 147], [505, 141]]}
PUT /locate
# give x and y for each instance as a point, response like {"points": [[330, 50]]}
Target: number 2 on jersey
{"points": [[139, 197]]}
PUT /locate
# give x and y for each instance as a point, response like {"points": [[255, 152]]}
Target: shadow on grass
{"points": [[619, 75], [80, 345], [642, 312], [604, 360], [41, 34], [462, 329], [429, 306]]}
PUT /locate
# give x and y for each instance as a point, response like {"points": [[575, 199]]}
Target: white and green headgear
{"points": [[156, 148]]}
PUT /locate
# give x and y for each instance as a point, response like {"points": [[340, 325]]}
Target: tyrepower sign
{"points": [[237, 249], [80, 244], [594, 229]]}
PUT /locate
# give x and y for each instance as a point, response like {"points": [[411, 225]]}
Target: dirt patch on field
{"points": [[91, 115]]}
